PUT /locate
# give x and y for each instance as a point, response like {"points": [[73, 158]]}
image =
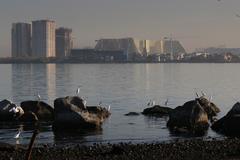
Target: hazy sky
{"points": [[196, 23]]}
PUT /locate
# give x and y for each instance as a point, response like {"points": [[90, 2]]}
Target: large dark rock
{"points": [[42, 110], [7, 113], [191, 117], [71, 112], [157, 111], [209, 107], [28, 117], [229, 124], [69, 104]]}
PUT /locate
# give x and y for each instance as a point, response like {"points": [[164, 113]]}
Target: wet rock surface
{"points": [[189, 149], [42, 110], [9, 111], [191, 117], [209, 107], [157, 110], [28, 117], [98, 110], [72, 112], [229, 124]]}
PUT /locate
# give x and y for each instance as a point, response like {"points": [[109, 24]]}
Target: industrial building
{"points": [[215, 50], [92, 55], [140, 48]]}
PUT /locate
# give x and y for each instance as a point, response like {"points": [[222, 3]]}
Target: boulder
{"points": [[229, 124], [132, 114], [190, 117], [71, 112], [157, 111], [28, 117], [100, 111], [209, 107], [42, 110], [9, 111]]}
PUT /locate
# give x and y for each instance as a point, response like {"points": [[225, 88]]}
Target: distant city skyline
{"points": [[197, 24]]}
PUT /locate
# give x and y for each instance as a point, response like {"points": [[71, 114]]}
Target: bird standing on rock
{"points": [[153, 103], [210, 98], [17, 111], [38, 97]]}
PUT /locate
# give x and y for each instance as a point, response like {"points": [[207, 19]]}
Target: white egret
{"points": [[39, 97], [17, 109], [78, 91], [17, 136], [13, 110], [85, 103], [153, 103], [210, 98], [109, 107]]}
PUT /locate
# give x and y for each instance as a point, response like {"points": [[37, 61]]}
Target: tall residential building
{"points": [[43, 39], [21, 40], [64, 42]]}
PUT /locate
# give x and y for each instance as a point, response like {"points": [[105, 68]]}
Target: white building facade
{"points": [[43, 39]]}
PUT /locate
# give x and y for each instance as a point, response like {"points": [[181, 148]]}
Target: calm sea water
{"points": [[126, 87]]}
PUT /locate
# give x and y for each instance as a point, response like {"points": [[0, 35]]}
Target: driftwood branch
{"points": [[30, 147]]}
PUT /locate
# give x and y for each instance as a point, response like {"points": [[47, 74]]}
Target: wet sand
{"points": [[187, 149]]}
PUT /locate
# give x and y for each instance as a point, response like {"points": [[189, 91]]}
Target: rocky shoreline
{"points": [[179, 149], [71, 112]]}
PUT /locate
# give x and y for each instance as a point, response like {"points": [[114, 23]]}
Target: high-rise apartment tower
{"points": [[43, 39], [21, 40], [64, 42]]}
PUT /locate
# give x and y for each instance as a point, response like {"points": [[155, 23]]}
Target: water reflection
{"points": [[51, 80], [76, 136], [62, 80], [29, 80]]}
